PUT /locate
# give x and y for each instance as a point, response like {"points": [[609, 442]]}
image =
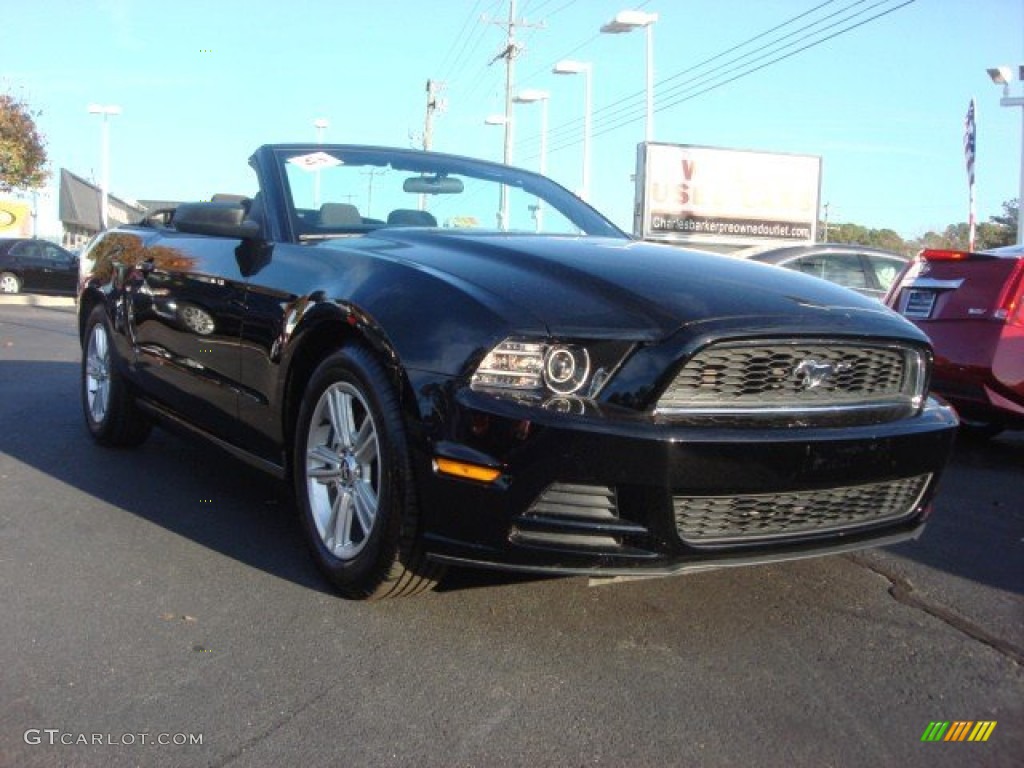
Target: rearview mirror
{"points": [[220, 219], [432, 185]]}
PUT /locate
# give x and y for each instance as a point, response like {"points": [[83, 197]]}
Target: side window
{"points": [[30, 251], [53, 253], [846, 269], [809, 265], [885, 270]]}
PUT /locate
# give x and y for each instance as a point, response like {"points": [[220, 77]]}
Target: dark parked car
{"points": [[971, 305], [458, 362], [866, 270], [36, 265]]}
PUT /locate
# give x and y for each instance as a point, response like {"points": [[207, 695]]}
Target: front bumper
{"points": [[609, 492]]}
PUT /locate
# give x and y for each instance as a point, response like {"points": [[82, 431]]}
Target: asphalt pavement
{"points": [[159, 609]]}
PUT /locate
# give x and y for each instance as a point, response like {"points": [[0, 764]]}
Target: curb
{"points": [[33, 300]]}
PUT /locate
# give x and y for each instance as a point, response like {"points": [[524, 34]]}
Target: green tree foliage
{"points": [[22, 148], [886, 239], [997, 231]]}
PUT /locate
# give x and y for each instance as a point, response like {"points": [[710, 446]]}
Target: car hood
{"points": [[613, 288]]}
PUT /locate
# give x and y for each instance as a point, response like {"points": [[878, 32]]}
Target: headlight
{"points": [[548, 368]]}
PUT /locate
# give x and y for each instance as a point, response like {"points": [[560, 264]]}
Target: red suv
{"points": [[971, 305]]}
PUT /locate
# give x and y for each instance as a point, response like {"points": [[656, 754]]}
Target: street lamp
{"points": [[106, 110], [1002, 76], [320, 123], [532, 96], [627, 21], [569, 67], [502, 191]]}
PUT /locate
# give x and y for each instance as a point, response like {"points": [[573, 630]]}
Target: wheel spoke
{"points": [[343, 520], [329, 461], [339, 405], [365, 447], [366, 505]]}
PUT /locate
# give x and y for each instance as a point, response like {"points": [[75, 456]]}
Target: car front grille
{"points": [[720, 520], [767, 378]]}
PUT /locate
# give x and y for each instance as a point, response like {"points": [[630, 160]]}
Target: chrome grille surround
{"points": [[798, 376], [723, 520]]}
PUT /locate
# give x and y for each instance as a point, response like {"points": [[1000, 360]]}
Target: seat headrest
{"points": [[339, 215], [409, 217]]}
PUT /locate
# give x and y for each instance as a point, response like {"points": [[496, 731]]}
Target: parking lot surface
{"points": [[159, 609]]}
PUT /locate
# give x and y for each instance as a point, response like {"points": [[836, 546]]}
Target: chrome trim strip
{"points": [[938, 285]]}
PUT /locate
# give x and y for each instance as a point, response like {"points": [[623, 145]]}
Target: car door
{"points": [[60, 270], [30, 265], [184, 308]]}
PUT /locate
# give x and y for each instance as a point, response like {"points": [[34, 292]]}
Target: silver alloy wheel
{"points": [[97, 373], [343, 470], [9, 283]]}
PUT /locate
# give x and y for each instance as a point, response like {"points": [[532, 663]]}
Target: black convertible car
{"points": [[458, 362]]}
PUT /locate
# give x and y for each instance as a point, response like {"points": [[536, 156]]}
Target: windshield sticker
{"points": [[315, 161]]}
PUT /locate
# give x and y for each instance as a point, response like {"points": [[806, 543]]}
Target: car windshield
{"points": [[339, 190]]}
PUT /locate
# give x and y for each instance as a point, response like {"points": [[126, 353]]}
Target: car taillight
{"points": [[1010, 305], [938, 254]]}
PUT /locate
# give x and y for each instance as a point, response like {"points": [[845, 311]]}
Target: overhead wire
{"points": [[613, 116]]}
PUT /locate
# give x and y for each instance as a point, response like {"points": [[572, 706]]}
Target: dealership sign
{"points": [[692, 194], [15, 219]]}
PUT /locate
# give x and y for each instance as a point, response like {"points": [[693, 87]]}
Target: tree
{"points": [[22, 148], [1002, 230]]}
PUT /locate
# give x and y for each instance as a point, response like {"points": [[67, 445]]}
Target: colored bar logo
{"points": [[959, 730]]}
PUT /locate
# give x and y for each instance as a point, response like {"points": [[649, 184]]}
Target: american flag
{"points": [[970, 139]]}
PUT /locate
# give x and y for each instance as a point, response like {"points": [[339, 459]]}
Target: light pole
{"points": [[106, 110], [569, 67], [532, 96], [627, 21], [503, 120], [1002, 76], [320, 123]]}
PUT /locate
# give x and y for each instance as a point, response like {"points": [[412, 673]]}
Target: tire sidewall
{"points": [[356, 367]]}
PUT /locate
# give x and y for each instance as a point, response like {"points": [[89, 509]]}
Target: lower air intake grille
{"points": [[714, 520]]}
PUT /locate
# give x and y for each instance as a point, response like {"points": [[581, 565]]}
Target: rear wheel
{"points": [[354, 484], [111, 415], [9, 283]]}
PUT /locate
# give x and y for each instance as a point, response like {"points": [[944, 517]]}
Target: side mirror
{"points": [[219, 219]]}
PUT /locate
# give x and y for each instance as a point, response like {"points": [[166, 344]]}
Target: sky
{"points": [[202, 84]]}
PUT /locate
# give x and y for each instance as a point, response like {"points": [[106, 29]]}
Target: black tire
{"points": [[109, 407], [9, 283], [979, 431], [354, 484]]}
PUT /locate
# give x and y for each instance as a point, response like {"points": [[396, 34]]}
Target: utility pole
{"points": [[509, 53], [369, 188], [434, 104], [825, 240]]}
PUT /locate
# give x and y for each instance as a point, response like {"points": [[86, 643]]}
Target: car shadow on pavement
{"points": [[977, 525], [182, 484], [185, 486]]}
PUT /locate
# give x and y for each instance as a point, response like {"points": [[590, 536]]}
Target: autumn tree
{"points": [[22, 149]]}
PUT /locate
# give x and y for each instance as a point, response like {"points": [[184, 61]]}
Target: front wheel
{"points": [[111, 415], [354, 483]]}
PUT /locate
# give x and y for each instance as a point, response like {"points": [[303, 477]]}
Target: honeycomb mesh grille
{"points": [[788, 375], [730, 519]]}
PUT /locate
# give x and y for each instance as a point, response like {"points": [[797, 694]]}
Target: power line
{"points": [[742, 69], [627, 103]]}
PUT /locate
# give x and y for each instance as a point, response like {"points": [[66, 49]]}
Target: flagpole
{"points": [[970, 146]]}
